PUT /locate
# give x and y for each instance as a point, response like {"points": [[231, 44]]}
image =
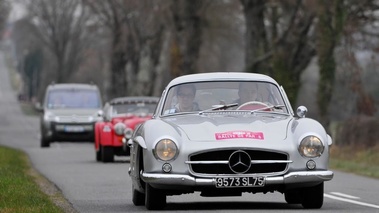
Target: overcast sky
{"points": [[18, 11]]}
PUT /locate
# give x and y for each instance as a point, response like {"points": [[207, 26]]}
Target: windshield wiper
{"points": [[219, 107], [268, 107]]}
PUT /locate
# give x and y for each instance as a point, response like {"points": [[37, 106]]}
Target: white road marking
{"points": [[345, 195], [351, 201]]}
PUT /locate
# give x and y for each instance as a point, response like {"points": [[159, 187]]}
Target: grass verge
{"points": [[23, 189], [358, 160]]}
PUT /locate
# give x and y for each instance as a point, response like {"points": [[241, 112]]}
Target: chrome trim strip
{"points": [[226, 162], [207, 162], [186, 180]]}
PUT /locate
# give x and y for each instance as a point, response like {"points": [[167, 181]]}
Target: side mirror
{"points": [[301, 111], [38, 107], [100, 113]]}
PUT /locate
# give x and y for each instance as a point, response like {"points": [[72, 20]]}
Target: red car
{"points": [[120, 117]]}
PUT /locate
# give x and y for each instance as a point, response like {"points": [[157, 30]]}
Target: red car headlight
{"points": [[119, 128]]}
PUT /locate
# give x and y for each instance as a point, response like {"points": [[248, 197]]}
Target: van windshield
{"points": [[73, 98]]}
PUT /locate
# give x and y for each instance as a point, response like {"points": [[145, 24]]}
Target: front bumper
{"points": [[186, 180]]}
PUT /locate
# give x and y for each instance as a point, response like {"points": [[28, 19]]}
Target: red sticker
{"points": [[239, 134]]}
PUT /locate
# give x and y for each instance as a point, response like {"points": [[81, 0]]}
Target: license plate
{"points": [[232, 182], [74, 129]]}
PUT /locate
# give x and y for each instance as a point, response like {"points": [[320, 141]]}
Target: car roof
{"points": [[134, 99], [73, 85], [221, 76]]}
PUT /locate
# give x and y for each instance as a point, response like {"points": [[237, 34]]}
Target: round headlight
{"points": [[128, 133], [119, 128], [311, 147], [165, 150]]}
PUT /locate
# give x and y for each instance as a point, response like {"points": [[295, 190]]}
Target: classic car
{"points": [[69, 112], [224, 147], [120, 117]]}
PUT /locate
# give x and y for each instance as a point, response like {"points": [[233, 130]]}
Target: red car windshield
{"points": [[134, 108]]}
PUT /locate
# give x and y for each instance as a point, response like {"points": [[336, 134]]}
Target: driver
{"points": [[247, 92], [186, 94]]}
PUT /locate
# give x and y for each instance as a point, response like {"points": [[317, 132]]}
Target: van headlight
{"points": [[49, 116], [165, 150], [311, 147]]}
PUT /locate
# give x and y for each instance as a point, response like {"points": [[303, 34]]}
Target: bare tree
{"points": [[279, 39], [112, 15], [329, 29], [62, 28], [4, 12], [188, 21]]}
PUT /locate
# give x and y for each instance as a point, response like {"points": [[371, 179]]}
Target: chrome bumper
{"points": [[186, 180]]}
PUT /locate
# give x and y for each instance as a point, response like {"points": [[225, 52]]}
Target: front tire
{"points": [[293, 197], [155, 199], [107, 154], [138, 197], [314, 197], [98, 154]]}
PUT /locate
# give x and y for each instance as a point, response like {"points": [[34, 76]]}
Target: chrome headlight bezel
{"points": [[119, 128], [311, 147], [166, 150], [128, 133]]}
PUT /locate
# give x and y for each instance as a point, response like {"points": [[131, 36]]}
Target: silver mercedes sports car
{"points": [[224, 134]]}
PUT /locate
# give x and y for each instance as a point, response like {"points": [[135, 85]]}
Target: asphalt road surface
{"points": [[98, 187]]}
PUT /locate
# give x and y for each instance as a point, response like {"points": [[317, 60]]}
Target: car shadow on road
{"points": [[229, 205]]}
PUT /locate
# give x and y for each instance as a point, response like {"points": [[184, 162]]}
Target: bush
{"points": [[359, 131]]}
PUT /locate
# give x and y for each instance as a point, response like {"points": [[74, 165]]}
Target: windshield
{"points": [[226, 95], [73, 98], [133, 108]]}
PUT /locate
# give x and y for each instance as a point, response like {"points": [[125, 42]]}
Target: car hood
{"points": [[131, 121], [78, 112], [210, 128]]}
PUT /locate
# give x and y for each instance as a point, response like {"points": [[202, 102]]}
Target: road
{"points": [[98, 187]]}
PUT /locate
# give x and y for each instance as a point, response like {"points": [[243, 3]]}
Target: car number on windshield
{"points": [[225, 182]]}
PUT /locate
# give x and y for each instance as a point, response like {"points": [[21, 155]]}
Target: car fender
{"points": [[106, 133], [307, 126], [140, 141], [98, 127], [161, 130]]}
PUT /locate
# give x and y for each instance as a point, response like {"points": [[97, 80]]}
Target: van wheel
{"points": [[45, 142]]}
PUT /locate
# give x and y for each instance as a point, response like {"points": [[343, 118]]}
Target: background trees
{"points": [[132, 47]]}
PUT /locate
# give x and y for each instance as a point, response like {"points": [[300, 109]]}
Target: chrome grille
{"points": [[217, 162], [74, 119]]}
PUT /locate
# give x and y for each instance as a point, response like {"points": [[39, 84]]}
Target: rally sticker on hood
{"points": [[239, 134]]}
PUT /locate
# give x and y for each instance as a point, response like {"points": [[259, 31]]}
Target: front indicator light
{"points": [[165, 150], [311, 165], [311, 147], [167, 167]]}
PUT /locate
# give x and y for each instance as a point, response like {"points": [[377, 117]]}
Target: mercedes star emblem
{"points": [[239, 162]]}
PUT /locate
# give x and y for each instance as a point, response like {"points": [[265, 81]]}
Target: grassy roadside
{"points": [[19, 191], [358, 160], [22, 188]]}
